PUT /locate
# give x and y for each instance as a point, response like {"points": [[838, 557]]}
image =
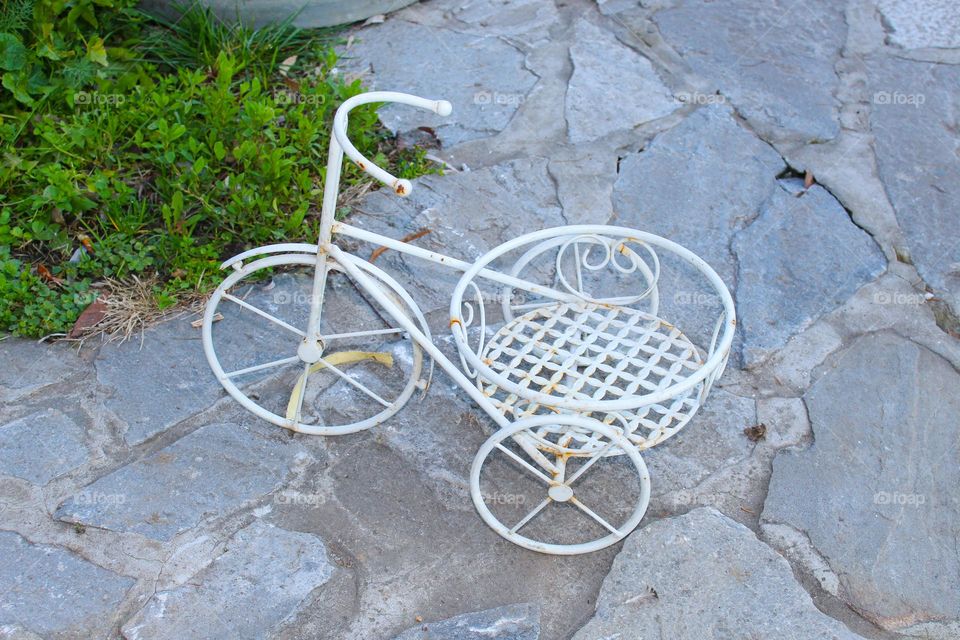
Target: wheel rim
{"points": [[562, 491], [340, 371]]}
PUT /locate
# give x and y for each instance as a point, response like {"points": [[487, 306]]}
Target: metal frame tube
{"points": [[438, 356]]}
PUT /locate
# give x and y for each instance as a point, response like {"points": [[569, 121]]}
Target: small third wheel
{"points": [[532, 486]]}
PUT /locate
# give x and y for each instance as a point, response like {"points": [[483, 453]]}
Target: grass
{"points": [[184, 142], [198, 37]]}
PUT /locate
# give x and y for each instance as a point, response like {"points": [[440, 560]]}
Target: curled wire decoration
{"points": [[615, 253], [466, 323]]}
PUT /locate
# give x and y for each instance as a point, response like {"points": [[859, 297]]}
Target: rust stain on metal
{"points": [[410, 237]]}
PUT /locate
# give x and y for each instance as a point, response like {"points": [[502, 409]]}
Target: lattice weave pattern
{"points": [[594, 352]]}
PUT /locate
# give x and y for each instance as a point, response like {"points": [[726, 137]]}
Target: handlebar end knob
{"points": [[444, 108], [402, 187]]}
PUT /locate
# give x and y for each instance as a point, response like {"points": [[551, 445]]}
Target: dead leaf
{"points": [[410, 237], [90, 317], [196, 324], [808, 179], [47, 276], [287, 64], [377, 19], [756, 433]]}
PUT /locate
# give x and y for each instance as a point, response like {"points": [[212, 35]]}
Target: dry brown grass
{"points": [[131, 308]]}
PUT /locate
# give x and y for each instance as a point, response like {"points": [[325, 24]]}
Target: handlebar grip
{"points": [[400, 186]]}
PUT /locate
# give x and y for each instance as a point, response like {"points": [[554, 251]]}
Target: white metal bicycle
{"points": [[574, 380]]}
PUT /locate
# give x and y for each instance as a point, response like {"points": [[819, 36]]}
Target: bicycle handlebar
{"points": [[400, 186]]}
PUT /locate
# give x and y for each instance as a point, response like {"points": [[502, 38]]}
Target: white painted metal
{"points": [[715, 360], [379, 282], [557, 487], [572, 374], [586, 353]]}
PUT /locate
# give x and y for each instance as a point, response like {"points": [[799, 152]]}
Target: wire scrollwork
{"points": [[579, 255], [471, 311]]}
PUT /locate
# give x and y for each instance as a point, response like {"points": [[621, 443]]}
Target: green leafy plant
{"points": [[50, 48], [167, 164]]}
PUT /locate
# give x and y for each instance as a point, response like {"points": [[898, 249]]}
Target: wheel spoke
{"points": [[355, 383], [527, 518], [526, 465], [593, 515], [357, 334], [261, 367], [589, 463], [264, 314]]}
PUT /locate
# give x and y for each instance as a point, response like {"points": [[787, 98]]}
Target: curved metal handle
{"points": [[400, 186]]}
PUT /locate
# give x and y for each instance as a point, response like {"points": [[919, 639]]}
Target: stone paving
{"points": [[138, 501]]}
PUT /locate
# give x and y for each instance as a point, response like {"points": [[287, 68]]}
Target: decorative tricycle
{"points": [[576, 366]]}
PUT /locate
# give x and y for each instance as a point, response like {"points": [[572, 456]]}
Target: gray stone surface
{"points": [[41, 446], [54, 593], [876, 492], [799, 259], [697, 184], [702, 575], [262, 578], [483, 76], [774, 63], [612, 87], [712, 440], [512, 622], [467, 214], [524, 20], [916, 24], [913, 112], [158, 381], [30, 366], [206, 474], [712, 186], [865, 516]]}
